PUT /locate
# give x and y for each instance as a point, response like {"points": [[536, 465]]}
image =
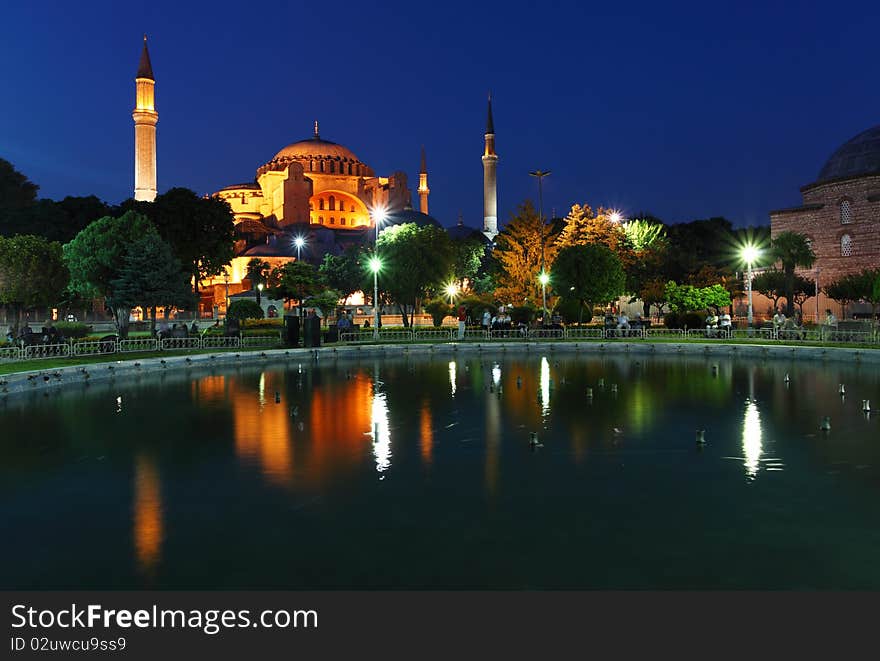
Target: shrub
{"points": [[439, 310], [72, 329], [275, 324], [240, 310], [522, 314], [693, 320]]}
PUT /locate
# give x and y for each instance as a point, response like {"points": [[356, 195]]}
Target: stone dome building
{"points": [[840, 213]]}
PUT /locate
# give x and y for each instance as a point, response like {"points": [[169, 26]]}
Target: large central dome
{"points": [[318, 156], [317, 148], [857, 157]]}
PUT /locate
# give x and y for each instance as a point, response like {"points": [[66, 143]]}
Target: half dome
{"points": [[857, 157]]}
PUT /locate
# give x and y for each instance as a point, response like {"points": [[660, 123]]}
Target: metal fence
{"points": [[406, 335]]}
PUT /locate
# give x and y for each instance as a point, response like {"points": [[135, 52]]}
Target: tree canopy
{"points": [[345, 272], [518, 252], [793, 250], [590, 274], [32, 273]]}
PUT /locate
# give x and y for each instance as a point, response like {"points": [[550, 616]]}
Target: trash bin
{"points": [[331, 334], [291, 330], [312, 332]]}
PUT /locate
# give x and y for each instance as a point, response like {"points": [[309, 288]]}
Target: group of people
{"points": [[27, 337], [176, 330], [499, 321], [344, 321], [718, 324]]}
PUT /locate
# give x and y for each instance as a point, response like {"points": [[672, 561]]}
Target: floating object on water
{"points": [[826, 424], [841, 389], [533, 440], [519, 382], [866, 405], [613, 387], [294, 411], [590, 393], [787, 378], [701, 437], [601, 383], [618, 431], [277, 397]]}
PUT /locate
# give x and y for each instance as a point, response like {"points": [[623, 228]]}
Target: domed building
{"points": [[841, 211]]}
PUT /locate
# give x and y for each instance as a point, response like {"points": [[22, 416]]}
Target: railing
{"points": [[220, 342], [405, 335], [138, 344], [94, 348], [261, 340], [47, 351]]}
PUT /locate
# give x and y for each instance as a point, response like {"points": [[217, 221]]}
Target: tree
{"points": [[243, 309], [688, 298], [32, 274], [151, 277], [198, 229], [257, 272], [589, 274], [804, 289], [518, 252], [17, 194], [792, 250], [414, 260], [583, 226], [467, 257], [861, 286], [345, 272], [326, 301], [295, 280], [770, 283], [96, 256], [644, 235]]}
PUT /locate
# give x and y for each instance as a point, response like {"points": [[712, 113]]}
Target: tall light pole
{"points": [[749, 254], [379, 215], [818, 271], [299, 242], [540, 174]]}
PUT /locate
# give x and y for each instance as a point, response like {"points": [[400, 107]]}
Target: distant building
{"points": [[840, 213]]}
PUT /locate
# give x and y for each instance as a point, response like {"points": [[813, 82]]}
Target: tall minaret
{"points": [[490, 191], [145, 118], [423, 185]]}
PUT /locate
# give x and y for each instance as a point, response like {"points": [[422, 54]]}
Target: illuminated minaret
{"points": [[145, 118], [490, 191], [423, 186]]}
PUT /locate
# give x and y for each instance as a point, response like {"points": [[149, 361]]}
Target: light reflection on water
{"points": [[260, 480]]}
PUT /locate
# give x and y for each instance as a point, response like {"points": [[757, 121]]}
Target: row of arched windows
{"points": [[332, 220], [331, 205], [330, 167]]}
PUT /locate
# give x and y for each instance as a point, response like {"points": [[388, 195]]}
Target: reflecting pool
{"points": [[417, 473]]}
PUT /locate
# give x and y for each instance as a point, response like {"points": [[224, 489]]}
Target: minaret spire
{"points": [[490, 189], [145, 119], [423, 185]]}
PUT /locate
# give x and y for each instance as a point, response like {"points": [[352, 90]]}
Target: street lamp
{"points": [[749, 254], [379, 215], [451, 290], [259, 293], [375, 267], [299, 242], [818, 271], [540, 174], [226, 282], [544, 278], [615, 217]]}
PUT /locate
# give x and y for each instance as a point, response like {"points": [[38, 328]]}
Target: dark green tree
{"points": [[244, 309], [345, 272], [32, 274], [590, 274], [793, 251], [17, 194], [415, 260], [770, 283], [198, 229], [152, 277], [96, 257], [295, 280], [467, 259]]}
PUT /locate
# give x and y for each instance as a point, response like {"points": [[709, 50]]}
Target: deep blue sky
{"points": [[686, 110]]}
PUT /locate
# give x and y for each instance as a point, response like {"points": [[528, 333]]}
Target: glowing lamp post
{"points": [[544, 278], [375, 267], [749, 255], [615, 217], [379, 216], [451, 291], [259, 293], [539, 175], [299, 242]]}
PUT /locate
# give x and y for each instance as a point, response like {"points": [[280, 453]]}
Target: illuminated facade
{"points": [[145, 119]]}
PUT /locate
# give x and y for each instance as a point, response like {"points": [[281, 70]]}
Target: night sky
{"points": [[684, 110]]}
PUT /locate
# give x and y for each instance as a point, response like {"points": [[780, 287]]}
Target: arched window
{"points": [[846, 246], [321, 204], [332, 167], [322, 166], [352, 208], [321, 219], [332, 203], [342, 221], [845, 212], [332, 221]]}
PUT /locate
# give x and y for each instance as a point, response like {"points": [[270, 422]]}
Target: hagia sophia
{"points": [[322, 191], [314, 188]]}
